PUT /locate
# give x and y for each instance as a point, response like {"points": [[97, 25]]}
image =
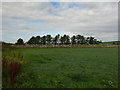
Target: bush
{"points": [[113, 42]]}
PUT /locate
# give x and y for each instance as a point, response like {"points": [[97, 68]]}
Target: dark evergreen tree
{"points": [[65, 39], [43, 40], [73, 39], [38, 40], [48, 39], [32, 40], [20, 42], [62, 40], [91, 41], [78, 37]]}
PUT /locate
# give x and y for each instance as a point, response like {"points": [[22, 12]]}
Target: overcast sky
{"points": [[23, 20]]}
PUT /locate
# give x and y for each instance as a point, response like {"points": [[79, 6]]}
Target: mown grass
{"points": [[69, 68]]}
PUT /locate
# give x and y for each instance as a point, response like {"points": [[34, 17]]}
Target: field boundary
{"points": [[66, 46]]}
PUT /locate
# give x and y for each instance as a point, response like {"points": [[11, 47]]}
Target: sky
{"points": [[27, 19]]}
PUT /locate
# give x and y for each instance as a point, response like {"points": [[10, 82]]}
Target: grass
{"points": [[68, 68], [110, 43], [11, 66]]}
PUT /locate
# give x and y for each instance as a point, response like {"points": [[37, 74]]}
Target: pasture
{"points": [[68, 68]]}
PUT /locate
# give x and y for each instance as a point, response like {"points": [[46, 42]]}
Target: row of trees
{"points": [[58, 40]]}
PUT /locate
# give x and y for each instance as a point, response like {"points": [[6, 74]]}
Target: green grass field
{"points": [[69, 68], [110, 43]]}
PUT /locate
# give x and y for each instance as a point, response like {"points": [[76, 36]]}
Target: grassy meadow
{"points": [[67, 68], [110, 43]]}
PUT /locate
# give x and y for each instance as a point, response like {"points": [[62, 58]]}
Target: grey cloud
{"points": [[95, 19]]}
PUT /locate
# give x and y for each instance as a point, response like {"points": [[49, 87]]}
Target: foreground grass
{"points": [[69, 68], [11, 66]]}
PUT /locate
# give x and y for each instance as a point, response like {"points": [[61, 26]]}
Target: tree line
{"points": [[58, 40]]}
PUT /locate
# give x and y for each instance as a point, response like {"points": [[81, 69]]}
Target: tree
{"points": [[91, 41], [87, 40], [83, 40], [43, 40], [20, 42], [32, 40], [78, 37], [67, 39], [38, 40], [48, 39], [73, 39], [62, 40], [56, 40]]}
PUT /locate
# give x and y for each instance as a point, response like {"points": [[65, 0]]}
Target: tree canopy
{"points": [[59, 40], [20, 42]]}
